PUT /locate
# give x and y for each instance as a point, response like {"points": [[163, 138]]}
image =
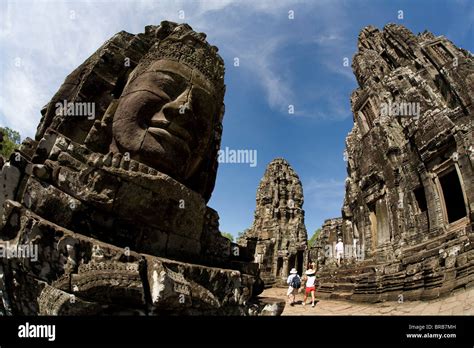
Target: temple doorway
{"points": [[279, 266], [292, 261], [453, 196], [373, 225], [299, 261], [420, 197]]}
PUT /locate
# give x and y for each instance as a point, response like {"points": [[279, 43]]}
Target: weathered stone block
{"points": [[109, 282], [450, 261], [461, 260], [415, 268], [183, 247], [431, 264], [391, 269], [50, 203], [9, 180]]}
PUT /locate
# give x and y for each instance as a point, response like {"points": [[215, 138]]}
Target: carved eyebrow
{"points": [[172, 75], [165, 95], [165, 76], [168, 76], [162, 77]]}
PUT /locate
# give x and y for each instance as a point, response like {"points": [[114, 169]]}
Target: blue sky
{"points": [[282, 62]]}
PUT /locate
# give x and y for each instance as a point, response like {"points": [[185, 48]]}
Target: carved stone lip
{"points": [[164, 132], [171, 128]]}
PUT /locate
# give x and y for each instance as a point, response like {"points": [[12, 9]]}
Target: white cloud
{"points": [[19, 99], [328, 185], [327, 39], [324, 195], [262, 64]]}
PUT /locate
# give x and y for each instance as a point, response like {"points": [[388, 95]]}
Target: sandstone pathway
{"points": [[460, 302]]}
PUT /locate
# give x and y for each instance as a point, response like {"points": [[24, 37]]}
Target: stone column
{"points": [[286, 271]]}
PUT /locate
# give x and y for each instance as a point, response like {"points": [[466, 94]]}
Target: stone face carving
{"points": [[278, 232], [171, 110], [115, 204], [408, 210], [158, 98]]}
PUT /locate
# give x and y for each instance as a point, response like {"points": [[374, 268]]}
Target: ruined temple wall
{"points": [[409, 195], [323, 251], [405, 149]]}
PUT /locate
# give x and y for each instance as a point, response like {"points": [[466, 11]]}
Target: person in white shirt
{"points": [[339, 251], [294, 282], [310, 278]]}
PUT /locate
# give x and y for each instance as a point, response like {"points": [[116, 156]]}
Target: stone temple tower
{"points": [[278, 228], [407, 217]]}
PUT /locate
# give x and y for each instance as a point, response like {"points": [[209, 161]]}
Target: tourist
{"points": [[310, 278], [294, 283], [339, 251]]}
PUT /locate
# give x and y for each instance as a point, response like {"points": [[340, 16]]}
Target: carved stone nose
{"points": [[179, 107]]}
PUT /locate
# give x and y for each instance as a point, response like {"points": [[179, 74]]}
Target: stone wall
{"points": [[322, 253]]}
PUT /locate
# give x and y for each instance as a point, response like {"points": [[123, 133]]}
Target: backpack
{"points": [[295, 282]]}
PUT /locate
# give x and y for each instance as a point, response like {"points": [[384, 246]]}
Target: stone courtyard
{"points": [[459, 303], [117, 206]]}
